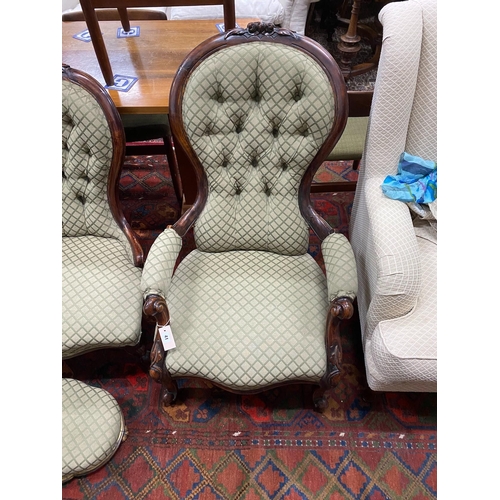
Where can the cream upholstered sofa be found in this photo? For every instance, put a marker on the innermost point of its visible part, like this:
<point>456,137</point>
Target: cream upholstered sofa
<point>290,14</point>
<point>396,253</point>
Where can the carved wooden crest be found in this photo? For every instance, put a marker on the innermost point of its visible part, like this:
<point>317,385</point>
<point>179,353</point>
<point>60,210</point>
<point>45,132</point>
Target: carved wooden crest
<point>260,30</point>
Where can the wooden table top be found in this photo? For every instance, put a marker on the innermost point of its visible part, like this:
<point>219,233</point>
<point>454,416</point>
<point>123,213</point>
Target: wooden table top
<point>153,57</point>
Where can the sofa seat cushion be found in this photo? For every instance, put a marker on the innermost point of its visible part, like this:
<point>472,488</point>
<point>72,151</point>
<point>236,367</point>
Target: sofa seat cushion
<point>402,353</point>
<point>232,312</point>
<point>92,428</point>
<point>102,304</point>
<point>269,11</point>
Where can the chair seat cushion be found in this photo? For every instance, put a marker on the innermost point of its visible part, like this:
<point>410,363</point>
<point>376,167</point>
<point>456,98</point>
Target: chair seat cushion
<point>102,296</point>
<point>92,428</point>
<point>247,319</point>
<point>402,352</point>
<point>352,141</point>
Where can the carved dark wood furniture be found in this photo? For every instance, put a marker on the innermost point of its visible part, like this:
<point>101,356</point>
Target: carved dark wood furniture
<point>101,256</point>
<point>89,12</point>
<point>256,110</point>
<point>101,268</point>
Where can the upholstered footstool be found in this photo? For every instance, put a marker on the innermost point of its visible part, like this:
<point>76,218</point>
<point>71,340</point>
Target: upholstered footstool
<point>92,428</point>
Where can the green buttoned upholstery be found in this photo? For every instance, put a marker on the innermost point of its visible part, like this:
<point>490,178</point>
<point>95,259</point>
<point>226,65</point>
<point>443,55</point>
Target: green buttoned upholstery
<point>248,307</point>
<point>102,296</point>
<point>256,115</point>
<point>93,428</point>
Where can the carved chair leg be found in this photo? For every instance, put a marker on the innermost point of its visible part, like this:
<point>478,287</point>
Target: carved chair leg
<point>168,392</point>
<point>156,306</point>
<point>341,308</point>
<point>319,399</point>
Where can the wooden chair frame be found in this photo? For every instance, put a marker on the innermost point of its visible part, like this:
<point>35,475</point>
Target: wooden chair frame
<point>340,308</point>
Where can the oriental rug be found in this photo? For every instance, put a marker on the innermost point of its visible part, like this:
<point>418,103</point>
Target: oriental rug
<point>216,445</point>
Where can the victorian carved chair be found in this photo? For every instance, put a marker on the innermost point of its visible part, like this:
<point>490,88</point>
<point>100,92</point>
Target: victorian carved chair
<point>101,256</point>
<point>257,110</point>
<point>101,267</point>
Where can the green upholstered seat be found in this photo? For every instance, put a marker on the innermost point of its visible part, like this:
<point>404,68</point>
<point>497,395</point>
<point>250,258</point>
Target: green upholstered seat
<point>92,428</point>
<point>352,142</point>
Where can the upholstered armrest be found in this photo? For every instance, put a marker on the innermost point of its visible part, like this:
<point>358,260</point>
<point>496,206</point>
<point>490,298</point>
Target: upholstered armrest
<point>160,263</point>
<point>396,255</point>
<point>340,265</point>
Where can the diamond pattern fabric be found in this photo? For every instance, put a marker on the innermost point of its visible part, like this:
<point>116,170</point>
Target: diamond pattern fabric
<point>92,428</point>
<point>409,360</point>
<point>396,272</point>
<point>352,141</point>
<point>160,263</point>
<point>340,267</point>
<point>87,150</point>
<point>256,115</point>
<point>102,296</point>
<point>102,293</point>
<point>246,319</point>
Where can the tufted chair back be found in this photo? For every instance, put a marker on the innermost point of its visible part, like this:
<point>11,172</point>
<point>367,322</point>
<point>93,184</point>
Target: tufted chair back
<point>93,149</point>
<point>255,116</point>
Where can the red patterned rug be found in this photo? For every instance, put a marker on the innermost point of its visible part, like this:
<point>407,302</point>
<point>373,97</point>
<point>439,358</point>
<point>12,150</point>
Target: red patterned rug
<point>217,445</point>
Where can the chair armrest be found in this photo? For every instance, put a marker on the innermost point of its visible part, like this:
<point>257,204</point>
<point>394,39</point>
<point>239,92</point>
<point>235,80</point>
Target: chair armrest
<point>160,263</point>
<point>340,266</point>
<point>397,258</point>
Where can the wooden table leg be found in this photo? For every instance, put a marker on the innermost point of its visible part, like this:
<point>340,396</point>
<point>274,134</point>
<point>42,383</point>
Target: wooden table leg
<point>122,12</point>
<point>97,40</point>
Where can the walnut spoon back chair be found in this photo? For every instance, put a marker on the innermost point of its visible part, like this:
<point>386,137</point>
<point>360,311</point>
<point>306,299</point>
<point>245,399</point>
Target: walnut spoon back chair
<point>257,110</point>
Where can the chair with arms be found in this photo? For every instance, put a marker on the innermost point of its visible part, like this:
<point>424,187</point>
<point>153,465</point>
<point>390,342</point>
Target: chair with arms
<point>101,267</point>
<point>396,253</point>
<point>257,110</point>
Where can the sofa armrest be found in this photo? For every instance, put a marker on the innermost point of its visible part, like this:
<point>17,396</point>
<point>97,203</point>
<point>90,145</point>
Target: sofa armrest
<point>397,257</point>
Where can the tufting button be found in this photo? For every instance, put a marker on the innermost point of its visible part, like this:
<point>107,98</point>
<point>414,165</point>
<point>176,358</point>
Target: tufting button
<point>275,131</point>
<point>224,164</point>
<point>254,162</point>
<point>238,128</point>
<point>80,198</point>
<point>297,96</point>
<point>284,166</point>
<point>267,189</point>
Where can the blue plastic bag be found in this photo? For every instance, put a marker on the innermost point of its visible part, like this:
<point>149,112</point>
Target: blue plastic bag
<point>416,180</point>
